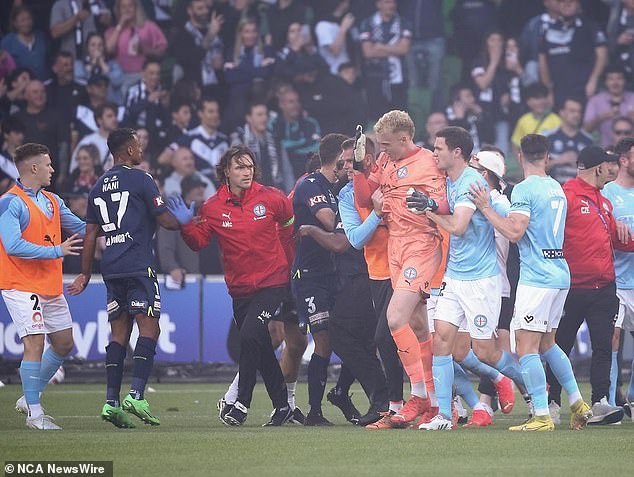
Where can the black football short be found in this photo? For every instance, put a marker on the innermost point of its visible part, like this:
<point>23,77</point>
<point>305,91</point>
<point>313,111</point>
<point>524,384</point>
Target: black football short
<point>314,300</point>
<point>134,296</point>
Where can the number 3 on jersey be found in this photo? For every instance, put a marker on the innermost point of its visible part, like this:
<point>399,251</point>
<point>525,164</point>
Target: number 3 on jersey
<point>122,199</point>
<point>557,204</point>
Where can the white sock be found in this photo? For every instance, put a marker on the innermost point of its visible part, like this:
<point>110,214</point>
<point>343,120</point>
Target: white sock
<point>574,397</point>
<point>396,406</point>
<point>290,389</point>
<point>35,410</point>
<point>482,406</point>
<point>419,389</point>
<point>432,398</point>
<point>232,393</point>
<point>499,378</point>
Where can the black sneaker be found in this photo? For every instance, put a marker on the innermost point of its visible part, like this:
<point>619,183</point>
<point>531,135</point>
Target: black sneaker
<point>297,417</point>
<point>279,416</point>
<point>344,403</point>
<point>236,415</point>
<point>223,408</point>
<point>370,417</point>
<point>317,419</point>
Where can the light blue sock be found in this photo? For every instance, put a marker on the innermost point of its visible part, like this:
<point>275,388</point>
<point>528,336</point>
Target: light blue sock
<point>443,376</point>
<point>463,386</point>
<point>614,376</point>
<point>562,369</point>
<point>509,367</point>
<point>535,381</point>
<point>51,361</point>
<point>30,375</point>
<point>473,364</point>
<point>630,389</point>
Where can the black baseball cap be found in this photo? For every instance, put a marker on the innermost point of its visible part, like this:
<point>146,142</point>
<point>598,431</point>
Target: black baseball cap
<point>593,156</point>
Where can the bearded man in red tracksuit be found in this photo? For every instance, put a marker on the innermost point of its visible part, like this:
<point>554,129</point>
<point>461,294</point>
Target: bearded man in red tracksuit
<point>254,226</point>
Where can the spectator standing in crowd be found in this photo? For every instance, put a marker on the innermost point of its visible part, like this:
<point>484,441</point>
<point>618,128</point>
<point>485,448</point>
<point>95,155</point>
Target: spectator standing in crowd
<point>107,122</point>
<point>298,56</point>
<point>280,17</point>
<point>89,167</point>
<point>258,285</point>
<point>332,34</point>
<point>472,19</point>
<point>530,39</point>
<point>296,136</point>
<point>591,235</point>
<point>621,38</point>
<point>95,63</point>
<point>620,192</point>
<point>621,128</point>
<point>133,40</point>
<point>28,47</point>
<point>261,142</point>
<point>206,142</point>
<point>7,64</point>
<point>495,73</point>
<point>181,113</point>
<point>44,127</point>
<point>175,257</point>
<point>72,21</point>
<point>198,48</point>
<point>247,68</point>
<point>539,119</point>
<point>63,93</point>
<point>145,102</point>
<point>385,42</point>
<point>435,122</point>
<point>184,166</point>
<point>567,141</point>
<point>13,137</point>
<point>465,112</point>
<point>425,57</point>
<point>572,54</point>
<point>604,107</point>
<point>13,100</point>
<point>233,12</point>
<point>84,115</point>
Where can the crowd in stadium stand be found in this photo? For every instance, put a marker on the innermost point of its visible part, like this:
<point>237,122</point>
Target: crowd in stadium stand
<point>196,76</point>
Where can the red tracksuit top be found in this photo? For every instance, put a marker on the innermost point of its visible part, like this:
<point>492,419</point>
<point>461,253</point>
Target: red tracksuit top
<point>254,233</point>
<point>589,238</point>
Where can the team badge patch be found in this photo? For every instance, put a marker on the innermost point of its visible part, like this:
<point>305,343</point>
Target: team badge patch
<point>401,172</point>
<point>410,273</point>
<point>480,321</point>
<point>259,210</point>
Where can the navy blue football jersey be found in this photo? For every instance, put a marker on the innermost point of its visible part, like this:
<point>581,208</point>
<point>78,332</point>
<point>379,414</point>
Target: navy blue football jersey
<point>312,194</point>
<point>124,203</point>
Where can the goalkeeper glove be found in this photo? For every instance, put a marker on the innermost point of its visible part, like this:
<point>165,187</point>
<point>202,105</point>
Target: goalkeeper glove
<point>418,203</point>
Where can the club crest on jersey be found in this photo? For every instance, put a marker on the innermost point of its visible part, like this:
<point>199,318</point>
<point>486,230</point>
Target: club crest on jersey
<point>480,321</point>
<point>410,273</point>
<point>259,210</point>
<point>49,207</point>
<point>401,172</point>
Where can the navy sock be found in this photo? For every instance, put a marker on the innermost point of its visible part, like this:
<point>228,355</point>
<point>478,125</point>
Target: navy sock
<point>143,361</point>
<point>317,375</point>
<point>115,355</point>
<point>345,381</point>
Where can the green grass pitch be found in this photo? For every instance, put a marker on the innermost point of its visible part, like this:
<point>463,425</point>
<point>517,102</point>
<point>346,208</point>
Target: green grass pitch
<point>192,441</point>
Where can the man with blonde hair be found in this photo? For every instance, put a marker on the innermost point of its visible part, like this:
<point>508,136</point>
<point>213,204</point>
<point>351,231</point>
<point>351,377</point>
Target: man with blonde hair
<point>414,250</point>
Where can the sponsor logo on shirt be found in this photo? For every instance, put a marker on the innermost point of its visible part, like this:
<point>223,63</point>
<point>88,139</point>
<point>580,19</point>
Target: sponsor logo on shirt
<point>158,201</point>
<point>317,199</point>
<point>227,224</point>
<point>585,207</point>
<point>119,238</point>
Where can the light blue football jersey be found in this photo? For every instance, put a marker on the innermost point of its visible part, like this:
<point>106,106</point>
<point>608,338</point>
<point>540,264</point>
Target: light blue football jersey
<point>622,199</point>
<point>471,256</point>
<point>542,262</point>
